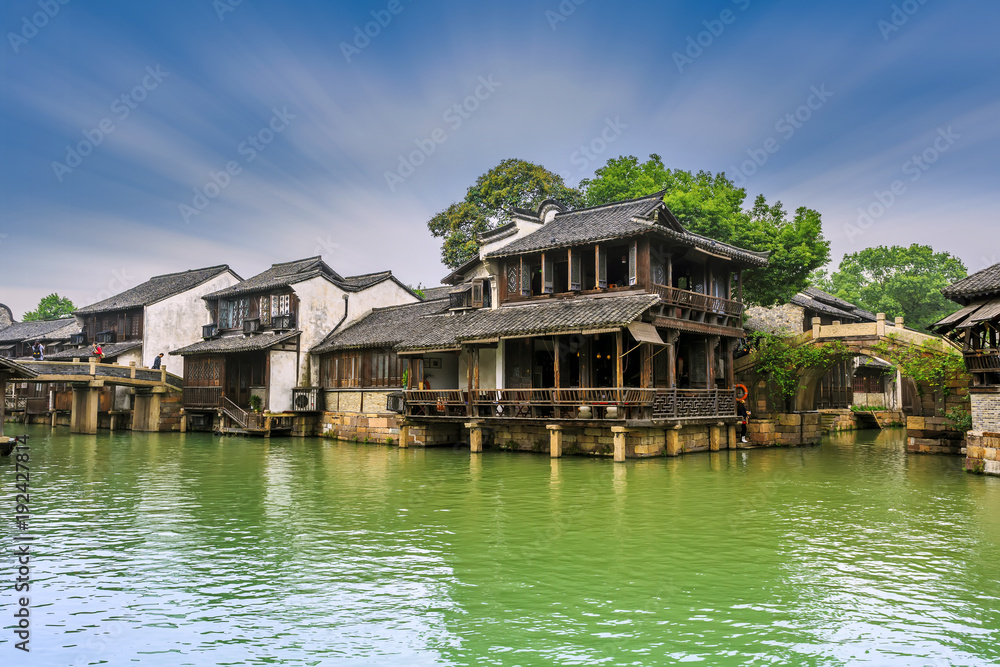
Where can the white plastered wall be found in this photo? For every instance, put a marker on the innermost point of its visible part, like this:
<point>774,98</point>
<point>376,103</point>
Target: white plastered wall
<point>283,379</point>
<point>176,322</point>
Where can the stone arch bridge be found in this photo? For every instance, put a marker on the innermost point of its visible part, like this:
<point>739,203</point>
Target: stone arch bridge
<point>861,339</point>
<point>88,378</point>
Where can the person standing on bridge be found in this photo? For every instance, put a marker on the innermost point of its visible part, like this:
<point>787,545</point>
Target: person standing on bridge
<point>744,415</point>
<point>157,360</point>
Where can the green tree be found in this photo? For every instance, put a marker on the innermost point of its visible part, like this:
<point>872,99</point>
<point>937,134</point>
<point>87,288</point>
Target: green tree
<point>712,205</point>
<point>898,281</point>
<point>487,203</point>
<point>49,308</point>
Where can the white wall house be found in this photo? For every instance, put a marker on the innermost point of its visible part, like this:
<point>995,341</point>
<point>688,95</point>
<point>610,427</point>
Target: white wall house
<point>267,324</point>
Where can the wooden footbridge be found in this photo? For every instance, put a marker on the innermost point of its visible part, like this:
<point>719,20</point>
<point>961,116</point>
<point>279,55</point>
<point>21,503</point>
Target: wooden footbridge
<point>88,378</point>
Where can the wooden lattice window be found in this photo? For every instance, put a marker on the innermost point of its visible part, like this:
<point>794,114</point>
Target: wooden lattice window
<point>525,278</point>
<point>602,269</point>
<point>265,310</point>
<point>633,255</point>
<point>548,275</point>
<point>575,272</point>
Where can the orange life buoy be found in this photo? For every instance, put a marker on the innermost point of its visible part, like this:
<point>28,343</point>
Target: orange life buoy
<point>745,393</point>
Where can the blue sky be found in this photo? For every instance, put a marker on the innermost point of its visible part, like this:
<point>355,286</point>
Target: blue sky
<point>246,133</point>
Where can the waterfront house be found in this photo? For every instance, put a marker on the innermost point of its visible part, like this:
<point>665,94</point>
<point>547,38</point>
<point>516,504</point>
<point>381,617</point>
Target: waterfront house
<point>613,316</point>
<point>162,314</point>
<point>976,328</point>
<point>16,339</point>
<point>260,333</point>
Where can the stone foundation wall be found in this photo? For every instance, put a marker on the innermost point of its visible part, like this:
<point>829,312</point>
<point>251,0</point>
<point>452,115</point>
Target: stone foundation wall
<point>170,412</point>
<point>786,430</point>
<point>985,411</point>
<point>933,435</point>
<point>376,427</point>
<point>983,453</point>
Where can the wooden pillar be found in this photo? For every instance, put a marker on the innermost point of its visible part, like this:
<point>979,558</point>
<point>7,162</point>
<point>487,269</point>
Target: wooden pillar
<point>184,421</point>
<point>468,377</point>
<point>730,377</point>
<point>475,437</point>
<point>3,400</point>
<point>586,362</point>
<point>620,433</point>
<point>555,440</point>
<point>739,285</point>
<point>556,366</point>
<point>670,269</point>
<point>646,353</point>
<point>619,353</point>
<point>597,266</point>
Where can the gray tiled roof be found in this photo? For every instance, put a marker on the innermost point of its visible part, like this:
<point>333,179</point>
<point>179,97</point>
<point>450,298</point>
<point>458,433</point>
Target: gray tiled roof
<point>110,351</point>
<point>281,275</point>
<point>981,283</point>
<point>236,344</point>
<point>12,369</point>
<point>155,289</point>
<point>432,293</point>
<point>415,327</point>
<point>44,330</point>
<point>824,302</point>
<point>366,280</point>
<point>383,327</point>
<point>620,220</point>
<point>587,225</point>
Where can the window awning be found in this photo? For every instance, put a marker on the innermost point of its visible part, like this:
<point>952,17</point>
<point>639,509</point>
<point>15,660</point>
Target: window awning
<point>645,333</point>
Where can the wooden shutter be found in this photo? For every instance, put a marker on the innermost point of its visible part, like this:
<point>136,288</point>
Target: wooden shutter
<point>548,275</point>
<point>477,293</point>
<point>525,278</point>
<point>575,272</point>
<point>602,269</point>
<point>633,255</point>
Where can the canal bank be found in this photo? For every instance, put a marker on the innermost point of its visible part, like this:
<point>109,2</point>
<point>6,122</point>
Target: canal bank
<point>164,548</point>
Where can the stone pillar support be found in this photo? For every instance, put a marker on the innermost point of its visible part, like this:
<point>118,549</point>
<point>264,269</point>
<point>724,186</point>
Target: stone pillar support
<point>715,437</point>
<point>404,435</point>
<point>620,434</point>
<point>732,436</point>
<point>674,440</point>
<point>475,437</point>
<point>86,401</point>
<point>555,440</point>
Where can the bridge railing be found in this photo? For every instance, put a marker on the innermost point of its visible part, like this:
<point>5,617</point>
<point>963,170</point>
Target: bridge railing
<point>98,370</point>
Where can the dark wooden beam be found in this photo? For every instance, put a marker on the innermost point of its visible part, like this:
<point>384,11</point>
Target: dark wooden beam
<point>619,353</point>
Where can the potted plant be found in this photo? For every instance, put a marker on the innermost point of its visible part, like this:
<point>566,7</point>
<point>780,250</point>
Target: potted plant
<point>256,403</point>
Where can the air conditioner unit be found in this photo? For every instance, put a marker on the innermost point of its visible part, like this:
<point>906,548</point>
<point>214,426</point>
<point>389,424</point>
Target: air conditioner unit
<point>306,399</point>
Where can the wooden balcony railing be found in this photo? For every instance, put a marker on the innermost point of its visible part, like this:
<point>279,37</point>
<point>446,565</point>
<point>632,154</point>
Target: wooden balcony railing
<point>202,397</point>
<point>619,403</point>
<point>982,362</point>
<point>705,303</point>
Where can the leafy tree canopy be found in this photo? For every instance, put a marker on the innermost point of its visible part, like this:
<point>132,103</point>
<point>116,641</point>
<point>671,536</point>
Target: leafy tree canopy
<point>50,307</point>
<point>898,281</point>
<point>712,205</point>
<point>487,203</point>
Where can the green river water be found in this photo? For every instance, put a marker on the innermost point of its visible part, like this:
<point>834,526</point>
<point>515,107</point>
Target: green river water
<point>195,549</point>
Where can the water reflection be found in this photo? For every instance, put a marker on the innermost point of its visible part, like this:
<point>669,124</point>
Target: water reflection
<point>202,550</point>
